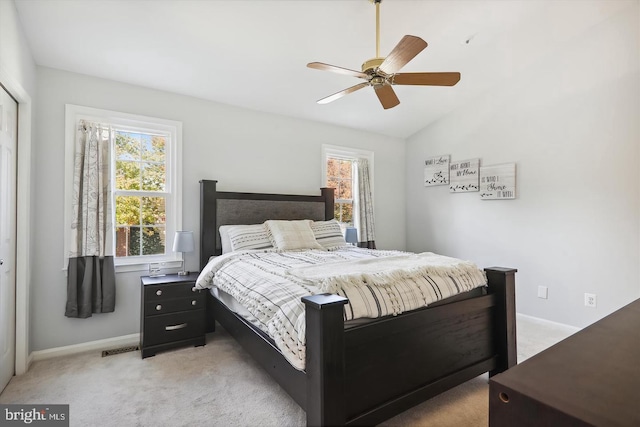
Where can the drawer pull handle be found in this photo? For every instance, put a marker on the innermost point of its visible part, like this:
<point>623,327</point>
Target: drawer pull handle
<point>504,397</point>
<point>159,292</point>
<point>194,289</point>
<point>193,302</point>
<point>158,307</point>
<point>174,327</point>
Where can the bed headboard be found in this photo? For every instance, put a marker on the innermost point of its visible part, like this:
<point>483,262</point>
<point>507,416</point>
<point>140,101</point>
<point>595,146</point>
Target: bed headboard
<point>228,208</point>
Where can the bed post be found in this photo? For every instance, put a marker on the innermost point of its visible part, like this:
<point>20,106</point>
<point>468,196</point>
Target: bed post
<point>325,365</point>
<point>208,232</point>
<point>208,228</point>
<point>329,202</point>
<point>502,285</point>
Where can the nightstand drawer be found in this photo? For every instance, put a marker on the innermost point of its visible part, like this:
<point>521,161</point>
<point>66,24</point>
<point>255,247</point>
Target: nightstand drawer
<point>173,327</point>
<point>194,302</point>
<point>168,291</point>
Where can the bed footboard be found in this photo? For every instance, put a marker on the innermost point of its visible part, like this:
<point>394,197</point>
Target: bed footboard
<point>367,374</point>
<point>324,363</point>
<point>502,284</point>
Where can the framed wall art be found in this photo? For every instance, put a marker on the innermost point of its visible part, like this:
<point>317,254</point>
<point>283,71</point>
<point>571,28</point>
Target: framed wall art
<point>498,182</point>
<point>464,176</point>
<point>436,171</point>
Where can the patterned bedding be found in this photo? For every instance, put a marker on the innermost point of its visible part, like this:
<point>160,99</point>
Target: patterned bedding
<point>377,283</point>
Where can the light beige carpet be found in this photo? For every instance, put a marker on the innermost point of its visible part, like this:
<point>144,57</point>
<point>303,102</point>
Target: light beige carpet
<point>220,385</point>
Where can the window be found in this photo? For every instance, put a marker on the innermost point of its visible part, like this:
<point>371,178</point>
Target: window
<point>145,179</point>
<point>140,193</point>
<point>340,174</point>
<point>340,166</point>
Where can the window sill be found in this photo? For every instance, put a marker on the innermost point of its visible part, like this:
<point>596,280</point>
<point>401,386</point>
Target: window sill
<point>144,266</point>
<point>141,266</point>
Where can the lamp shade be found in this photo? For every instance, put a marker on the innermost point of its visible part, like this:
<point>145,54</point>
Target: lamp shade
<point>351,235</point>
<point>183,241</point>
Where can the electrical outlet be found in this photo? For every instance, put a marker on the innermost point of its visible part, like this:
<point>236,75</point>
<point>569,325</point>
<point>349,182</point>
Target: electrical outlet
<point>543,292</point>
<point>590,300</point>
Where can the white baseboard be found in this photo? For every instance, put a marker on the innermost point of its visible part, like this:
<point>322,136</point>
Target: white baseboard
<point>99,345</point>
<point>134,339</point>
<point>568,328</point>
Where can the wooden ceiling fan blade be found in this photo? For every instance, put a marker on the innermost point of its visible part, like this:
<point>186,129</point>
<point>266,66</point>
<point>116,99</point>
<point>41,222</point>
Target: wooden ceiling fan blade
<point>342,93</point>
<point>387,96</point>
<point>404,52</point>
<point>426,79</point>
<point>334,69</point>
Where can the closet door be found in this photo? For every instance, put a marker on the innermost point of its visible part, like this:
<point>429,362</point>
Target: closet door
<point>8,162</point>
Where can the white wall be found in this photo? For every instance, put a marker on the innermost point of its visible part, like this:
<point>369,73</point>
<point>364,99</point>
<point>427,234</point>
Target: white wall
<point>15,56</point>
<point>571,123</point>
<point>244,150</point>
<point>18,76</point>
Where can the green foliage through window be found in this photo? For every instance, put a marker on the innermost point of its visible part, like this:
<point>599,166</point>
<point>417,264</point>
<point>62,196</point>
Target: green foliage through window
<point>140,185</point>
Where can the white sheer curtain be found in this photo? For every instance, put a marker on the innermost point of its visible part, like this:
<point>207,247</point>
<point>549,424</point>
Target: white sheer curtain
<point>91,273</point>
<point>364,218</point>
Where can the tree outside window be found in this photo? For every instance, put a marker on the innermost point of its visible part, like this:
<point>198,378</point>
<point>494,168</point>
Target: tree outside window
<point>140,193</point>
<point>340,177</point>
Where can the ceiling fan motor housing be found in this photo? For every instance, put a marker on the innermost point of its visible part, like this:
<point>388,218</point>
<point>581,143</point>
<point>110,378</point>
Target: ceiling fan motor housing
<point>371,65</point>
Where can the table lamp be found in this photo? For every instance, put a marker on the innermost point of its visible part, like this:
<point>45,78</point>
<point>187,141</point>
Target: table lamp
<point>351,235</point>
<point>183,242</point>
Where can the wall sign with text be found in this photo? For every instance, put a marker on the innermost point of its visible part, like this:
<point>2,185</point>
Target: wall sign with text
<point>498,182</point>
<point>464,176</point>
<point>436,171</point>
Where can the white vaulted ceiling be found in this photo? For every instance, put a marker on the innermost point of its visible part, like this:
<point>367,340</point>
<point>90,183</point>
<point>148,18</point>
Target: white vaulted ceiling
<point>253,54</point>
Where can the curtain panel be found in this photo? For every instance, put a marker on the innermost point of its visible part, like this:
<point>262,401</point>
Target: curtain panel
<point>91,271</point>
<point>366,226</point>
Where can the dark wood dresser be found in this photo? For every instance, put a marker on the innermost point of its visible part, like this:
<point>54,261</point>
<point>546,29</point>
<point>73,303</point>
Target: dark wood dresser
<point>591,378</point>
<point>172,313</point>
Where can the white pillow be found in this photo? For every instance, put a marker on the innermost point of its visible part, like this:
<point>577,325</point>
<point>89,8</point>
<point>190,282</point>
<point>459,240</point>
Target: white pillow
<point>245,237</point>
<point>224,238</point>
<point>328,234</point>
<point>292,235</point>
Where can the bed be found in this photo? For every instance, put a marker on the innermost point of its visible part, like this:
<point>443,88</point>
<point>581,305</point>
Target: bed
<point>363,373</point>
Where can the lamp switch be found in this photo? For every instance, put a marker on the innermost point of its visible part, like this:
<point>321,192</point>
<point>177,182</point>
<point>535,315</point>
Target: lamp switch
<point>543,292</point>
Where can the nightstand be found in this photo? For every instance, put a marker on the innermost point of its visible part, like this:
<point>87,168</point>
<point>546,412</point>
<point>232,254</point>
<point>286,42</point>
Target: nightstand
<point>172,313</point>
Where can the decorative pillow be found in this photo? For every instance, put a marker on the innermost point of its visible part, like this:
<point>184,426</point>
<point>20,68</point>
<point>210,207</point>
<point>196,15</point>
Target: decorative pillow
<point>244,237</point>
<point>292,235</point>
<point>328,234</point>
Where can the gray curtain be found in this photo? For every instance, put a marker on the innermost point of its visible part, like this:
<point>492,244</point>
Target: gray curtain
<point>91,284</point>
<point>365,222</point>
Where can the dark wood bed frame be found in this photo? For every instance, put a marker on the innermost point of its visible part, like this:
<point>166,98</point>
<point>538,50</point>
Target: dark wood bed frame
<point>365,374</point>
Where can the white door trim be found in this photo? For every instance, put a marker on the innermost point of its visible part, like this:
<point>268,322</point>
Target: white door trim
<point>23,219</point>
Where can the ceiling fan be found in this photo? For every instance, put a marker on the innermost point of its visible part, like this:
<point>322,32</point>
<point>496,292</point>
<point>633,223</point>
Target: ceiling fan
<point>382,73</point>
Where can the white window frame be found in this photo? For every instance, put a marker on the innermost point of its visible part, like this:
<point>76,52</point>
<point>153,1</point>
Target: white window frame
<point>125,121</point>
<point>347,153</point>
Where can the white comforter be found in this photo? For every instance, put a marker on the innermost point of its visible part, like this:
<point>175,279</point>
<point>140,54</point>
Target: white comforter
<point>377,283</point>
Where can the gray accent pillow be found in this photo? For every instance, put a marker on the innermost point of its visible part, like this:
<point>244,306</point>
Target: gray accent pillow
<point>245,237</point>
<point>328,234</point>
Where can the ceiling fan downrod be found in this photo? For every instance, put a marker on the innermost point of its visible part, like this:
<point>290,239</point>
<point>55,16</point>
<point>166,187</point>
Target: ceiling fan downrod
<point>373,63</point>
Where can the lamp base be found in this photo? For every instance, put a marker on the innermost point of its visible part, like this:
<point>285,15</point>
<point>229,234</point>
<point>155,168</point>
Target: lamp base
<point>183,273</point>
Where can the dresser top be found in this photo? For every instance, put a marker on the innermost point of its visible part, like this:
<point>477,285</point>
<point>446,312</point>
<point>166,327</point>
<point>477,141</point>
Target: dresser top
<point>593,375</point>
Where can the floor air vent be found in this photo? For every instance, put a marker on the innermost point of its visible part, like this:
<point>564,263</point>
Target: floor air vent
<point>120,350</point>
